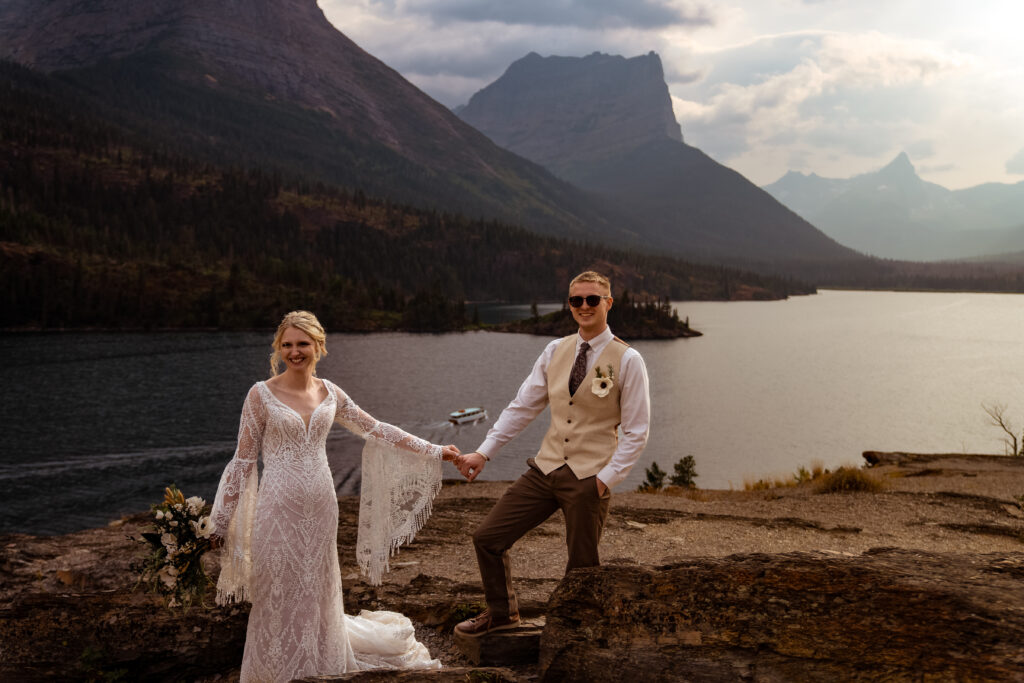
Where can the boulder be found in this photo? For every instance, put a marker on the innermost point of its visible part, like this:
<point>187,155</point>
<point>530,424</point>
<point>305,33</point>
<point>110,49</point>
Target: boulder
<point>885,615</point>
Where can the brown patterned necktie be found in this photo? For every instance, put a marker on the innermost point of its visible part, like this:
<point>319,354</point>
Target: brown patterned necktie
<point>579,369</point>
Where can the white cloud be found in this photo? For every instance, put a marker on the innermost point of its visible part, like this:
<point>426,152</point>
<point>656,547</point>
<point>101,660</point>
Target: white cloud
<point>646,14</point>
<point>836,102</point>
<point>835,87</point>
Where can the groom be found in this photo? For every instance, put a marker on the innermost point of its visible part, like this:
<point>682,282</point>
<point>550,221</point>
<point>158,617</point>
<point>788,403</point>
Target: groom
<point>595,383</point>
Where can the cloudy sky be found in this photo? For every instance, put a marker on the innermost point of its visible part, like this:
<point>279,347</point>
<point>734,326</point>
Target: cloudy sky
<point>835,87</point>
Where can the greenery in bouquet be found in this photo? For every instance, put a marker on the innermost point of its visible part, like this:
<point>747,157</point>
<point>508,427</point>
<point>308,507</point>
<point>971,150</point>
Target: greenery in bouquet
<point>179,537</point>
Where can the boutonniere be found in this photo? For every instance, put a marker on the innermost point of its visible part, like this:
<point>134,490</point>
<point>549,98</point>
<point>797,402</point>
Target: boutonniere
<point>602,384</point>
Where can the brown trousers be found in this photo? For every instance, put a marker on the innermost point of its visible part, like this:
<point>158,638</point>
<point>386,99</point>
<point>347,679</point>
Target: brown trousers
<point>526,504</point>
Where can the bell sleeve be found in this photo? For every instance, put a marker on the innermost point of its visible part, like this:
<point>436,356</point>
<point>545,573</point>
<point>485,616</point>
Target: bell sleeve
<point>234,506</point>
<point>401,475</point>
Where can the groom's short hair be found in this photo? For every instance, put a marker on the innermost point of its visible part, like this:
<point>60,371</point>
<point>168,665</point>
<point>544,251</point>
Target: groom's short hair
<point>592,276</point>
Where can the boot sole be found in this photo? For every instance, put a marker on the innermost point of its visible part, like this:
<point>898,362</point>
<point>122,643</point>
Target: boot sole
<point>503,627</point>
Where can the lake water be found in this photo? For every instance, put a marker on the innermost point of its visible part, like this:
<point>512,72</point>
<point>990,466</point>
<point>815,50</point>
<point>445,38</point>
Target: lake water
<point>94,425</point>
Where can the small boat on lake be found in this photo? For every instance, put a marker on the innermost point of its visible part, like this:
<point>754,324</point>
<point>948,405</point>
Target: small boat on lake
<point>466,415</point>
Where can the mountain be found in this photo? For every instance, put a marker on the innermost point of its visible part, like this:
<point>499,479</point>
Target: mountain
<point>567,113</point>
<point>272,82</point>
<point>605,123</point>
<point>893,213</point>
<point>100,227</point>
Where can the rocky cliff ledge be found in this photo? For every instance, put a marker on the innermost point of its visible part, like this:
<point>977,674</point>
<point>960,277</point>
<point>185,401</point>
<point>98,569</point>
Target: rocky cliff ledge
<point>889,614</point>
<point>919,582</point>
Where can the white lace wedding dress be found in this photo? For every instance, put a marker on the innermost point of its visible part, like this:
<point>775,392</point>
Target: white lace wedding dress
<point>280,538</point>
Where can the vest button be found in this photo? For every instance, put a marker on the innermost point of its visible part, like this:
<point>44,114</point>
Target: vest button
<point>567,440</point>
<point>569,421</point>
<point>565,458</point>
<point>570,402</point>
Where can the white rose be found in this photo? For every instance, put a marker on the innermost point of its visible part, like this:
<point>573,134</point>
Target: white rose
<point>195,504</point>
<point>167,540</point>
<point>168,515</point>
<point>159,514</point>
<point>174,524</point>
<point>202,527</point>
<point>601,386</point>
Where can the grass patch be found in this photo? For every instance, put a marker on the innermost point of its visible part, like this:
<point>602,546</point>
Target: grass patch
<point>803,475</point>
<point>848,480</point>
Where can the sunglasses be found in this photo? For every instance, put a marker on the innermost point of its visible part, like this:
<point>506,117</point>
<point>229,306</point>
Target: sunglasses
<point>592,300</point>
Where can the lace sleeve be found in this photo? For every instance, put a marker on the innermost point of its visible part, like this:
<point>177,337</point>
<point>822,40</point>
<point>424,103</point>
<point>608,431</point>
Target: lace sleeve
<point>401,474</point>
<point>235,503</point>
<point>360,422</point>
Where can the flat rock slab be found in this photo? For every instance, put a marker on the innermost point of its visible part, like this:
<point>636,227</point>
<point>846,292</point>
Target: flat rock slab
<point>96,636</point>
<point>504,648</point>
<point>452,675</point>
<point>893,615</point>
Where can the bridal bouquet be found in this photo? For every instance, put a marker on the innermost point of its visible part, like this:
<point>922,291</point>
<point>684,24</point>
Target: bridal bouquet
<point>180,536</point>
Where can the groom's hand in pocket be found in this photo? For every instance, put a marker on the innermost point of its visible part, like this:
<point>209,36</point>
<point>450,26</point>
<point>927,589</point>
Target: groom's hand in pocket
<point>471,464</point>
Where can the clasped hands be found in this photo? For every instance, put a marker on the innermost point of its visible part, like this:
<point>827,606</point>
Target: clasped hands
<point>469,465</point>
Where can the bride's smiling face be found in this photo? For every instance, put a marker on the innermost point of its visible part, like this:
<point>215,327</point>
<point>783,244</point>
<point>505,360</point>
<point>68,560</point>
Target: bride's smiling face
<point>298,350</point>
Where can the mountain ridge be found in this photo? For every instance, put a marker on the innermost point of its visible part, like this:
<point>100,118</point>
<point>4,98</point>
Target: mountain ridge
<point>575,116</point>
<point>893,213</point>
<point>268,82</point>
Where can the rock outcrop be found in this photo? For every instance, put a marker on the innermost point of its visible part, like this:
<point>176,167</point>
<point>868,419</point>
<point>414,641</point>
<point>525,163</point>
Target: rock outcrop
<point>886,615</point>
<point>954,611</point>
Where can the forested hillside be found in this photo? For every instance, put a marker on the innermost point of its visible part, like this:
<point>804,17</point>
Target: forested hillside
<point>100,226</point>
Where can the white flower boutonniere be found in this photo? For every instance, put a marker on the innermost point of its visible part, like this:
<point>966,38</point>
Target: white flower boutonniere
<point>602,384</point>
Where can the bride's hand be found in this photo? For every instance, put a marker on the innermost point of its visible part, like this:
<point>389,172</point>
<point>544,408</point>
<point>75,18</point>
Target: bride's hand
<point>450,452</point>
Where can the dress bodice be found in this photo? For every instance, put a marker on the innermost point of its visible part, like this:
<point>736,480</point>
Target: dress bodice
<point>287,440</point>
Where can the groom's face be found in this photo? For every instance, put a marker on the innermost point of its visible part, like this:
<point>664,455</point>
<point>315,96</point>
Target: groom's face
<point>591,319</point>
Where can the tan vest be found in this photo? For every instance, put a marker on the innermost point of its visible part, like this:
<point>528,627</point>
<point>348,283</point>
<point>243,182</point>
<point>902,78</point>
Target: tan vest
<point>584,429</point>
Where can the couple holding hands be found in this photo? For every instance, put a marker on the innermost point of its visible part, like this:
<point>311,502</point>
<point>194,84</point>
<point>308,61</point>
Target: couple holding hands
<point>278,530</point>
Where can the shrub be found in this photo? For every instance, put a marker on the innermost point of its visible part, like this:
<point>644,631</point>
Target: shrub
<point>655,479</point>
<point>686,472</point>
<point>848,480</point>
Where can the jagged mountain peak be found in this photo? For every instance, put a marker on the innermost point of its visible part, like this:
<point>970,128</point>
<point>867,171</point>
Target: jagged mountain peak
<point>899,168</point>
<point>601,103</point>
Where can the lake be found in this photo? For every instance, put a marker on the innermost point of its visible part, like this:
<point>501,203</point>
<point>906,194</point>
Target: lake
<point>96,424</point>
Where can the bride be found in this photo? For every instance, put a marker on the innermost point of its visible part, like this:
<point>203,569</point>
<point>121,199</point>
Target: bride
<point>279,533</point>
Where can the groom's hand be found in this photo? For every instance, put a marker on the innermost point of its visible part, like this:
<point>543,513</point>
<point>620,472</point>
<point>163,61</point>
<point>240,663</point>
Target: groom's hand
<point>471,464</point>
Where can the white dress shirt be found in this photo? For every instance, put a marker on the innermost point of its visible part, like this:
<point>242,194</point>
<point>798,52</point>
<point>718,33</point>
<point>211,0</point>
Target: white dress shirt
<point>634,402</point>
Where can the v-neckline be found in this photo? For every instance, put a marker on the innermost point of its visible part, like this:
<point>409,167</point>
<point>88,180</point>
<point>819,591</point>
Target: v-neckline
<point>297,413</point>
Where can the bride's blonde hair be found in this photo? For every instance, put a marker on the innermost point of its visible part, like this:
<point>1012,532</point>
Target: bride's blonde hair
<point>307,322</point>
